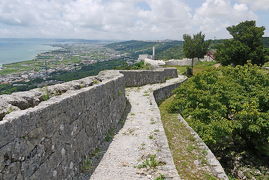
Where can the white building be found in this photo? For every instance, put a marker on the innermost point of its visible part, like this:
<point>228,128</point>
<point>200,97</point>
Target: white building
<point>142,57</point>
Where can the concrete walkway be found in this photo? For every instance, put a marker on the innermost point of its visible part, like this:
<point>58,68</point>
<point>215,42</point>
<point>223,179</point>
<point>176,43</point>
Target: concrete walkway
<point>141,136</point>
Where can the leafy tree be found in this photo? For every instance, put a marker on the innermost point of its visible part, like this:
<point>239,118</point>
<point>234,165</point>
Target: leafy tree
<point>227,107</point>
<point>196,46</point>
<point>246,44</point>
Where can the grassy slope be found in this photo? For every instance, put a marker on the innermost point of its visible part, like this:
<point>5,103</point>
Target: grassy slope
<point>201,66</point>
<point>184,147</point>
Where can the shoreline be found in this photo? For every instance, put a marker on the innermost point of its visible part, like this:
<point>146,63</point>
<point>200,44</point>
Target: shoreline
<point>56,46</point>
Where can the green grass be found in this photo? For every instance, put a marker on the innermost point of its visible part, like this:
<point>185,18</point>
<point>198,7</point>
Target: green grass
<point>199,67</point>
<point>202,66</point>
<point>87,165</point>
<point>110,134</point>
<point>151,162</point>
<point>21,67</point>
<point>183,146</point>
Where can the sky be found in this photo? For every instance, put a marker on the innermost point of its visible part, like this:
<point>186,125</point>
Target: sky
<point>127,19</point>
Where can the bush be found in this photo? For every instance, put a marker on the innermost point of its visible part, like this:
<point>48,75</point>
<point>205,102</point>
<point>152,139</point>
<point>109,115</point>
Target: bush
<point>227,107</point>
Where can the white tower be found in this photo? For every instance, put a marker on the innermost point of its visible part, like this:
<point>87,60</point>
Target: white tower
<point>153,53</point>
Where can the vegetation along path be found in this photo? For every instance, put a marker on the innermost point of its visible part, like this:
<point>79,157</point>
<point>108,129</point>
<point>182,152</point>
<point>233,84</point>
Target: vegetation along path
<point>140,149</point>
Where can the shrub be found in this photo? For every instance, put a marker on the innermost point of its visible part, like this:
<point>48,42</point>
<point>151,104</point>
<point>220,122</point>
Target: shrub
<point>227,106</point>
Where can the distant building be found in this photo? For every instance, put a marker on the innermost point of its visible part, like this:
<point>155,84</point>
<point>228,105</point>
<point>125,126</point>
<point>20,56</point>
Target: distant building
<point>142,57</point>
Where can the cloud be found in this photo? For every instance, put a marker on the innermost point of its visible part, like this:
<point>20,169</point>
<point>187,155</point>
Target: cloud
<point>117,19</point>
<point>94,19</point>
<point>256,4</point>
<point>215,15</point>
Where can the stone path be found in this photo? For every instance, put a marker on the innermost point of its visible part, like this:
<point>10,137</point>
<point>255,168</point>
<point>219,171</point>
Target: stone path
<point>141,136</point>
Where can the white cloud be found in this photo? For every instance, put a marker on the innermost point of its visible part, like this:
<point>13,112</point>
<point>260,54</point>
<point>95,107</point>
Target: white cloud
<point>257,4</point>
<point>94,19</point>
<point>215,15</point>
<point>117,19</point>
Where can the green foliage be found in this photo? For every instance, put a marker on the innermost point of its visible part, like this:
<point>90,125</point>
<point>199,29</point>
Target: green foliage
<point>24,86</point>
<point>135,66</point>
<point>110,134</point>
<point>247,44</point>
<point>46,94</point>
<point>175,52</point>
<point>227,106</point>
<point>150,162</point>
<point>95,81</point>
<point>266,58</point>
<point>84,71</point>
<point>87,165</point>
<point>189,72</point>
<point>265,41</point>
<point>195,46</point>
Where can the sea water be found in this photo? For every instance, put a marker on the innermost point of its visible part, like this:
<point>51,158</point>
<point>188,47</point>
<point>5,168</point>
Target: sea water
<point>16,50</point>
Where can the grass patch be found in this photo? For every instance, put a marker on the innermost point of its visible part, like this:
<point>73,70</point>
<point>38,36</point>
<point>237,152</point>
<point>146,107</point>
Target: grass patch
<point>183,146</point>
<point>46,94</point>
<point>95,81</point>
<point>151,162</point>
<point>110,134</point>
<point>87,165</point>
<point>199,67</point>
<point>203,66</point>
<point>151,137</point>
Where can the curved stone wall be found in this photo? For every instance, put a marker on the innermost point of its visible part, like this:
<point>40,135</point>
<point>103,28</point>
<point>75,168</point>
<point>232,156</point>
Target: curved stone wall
<point>142,77</point>
<point>49,138</point>
<point>182,62</point>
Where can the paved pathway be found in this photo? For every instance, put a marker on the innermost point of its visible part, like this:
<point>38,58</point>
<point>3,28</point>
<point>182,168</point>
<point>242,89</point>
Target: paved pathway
<point>142,135</point>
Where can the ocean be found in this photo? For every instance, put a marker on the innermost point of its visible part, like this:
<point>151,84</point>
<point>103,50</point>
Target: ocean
<point>16,50</point>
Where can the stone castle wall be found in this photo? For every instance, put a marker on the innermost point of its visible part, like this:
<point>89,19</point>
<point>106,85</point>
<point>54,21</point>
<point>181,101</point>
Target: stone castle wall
<point>143,77</point>
<point>163,93</point>
<point>182,62</point>
<point>48,139</point>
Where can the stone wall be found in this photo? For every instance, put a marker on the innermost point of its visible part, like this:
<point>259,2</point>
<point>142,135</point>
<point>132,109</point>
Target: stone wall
<point>49,139</point>
<point>213,162</point>
<point>182,62</point>
<point>143,77</point>
<point>163,93</point>
<point>154,63</point>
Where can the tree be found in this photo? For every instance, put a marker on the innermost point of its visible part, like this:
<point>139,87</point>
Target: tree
<point>246,44</point>
<point>196,46</point>
<point>227,111</point>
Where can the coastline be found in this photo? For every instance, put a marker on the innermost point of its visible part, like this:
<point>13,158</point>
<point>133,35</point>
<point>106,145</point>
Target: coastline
<point>38,54</point>
<point>19,51</point>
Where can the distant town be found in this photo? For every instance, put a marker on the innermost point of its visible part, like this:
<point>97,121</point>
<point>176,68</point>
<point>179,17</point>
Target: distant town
<point>69,57</point>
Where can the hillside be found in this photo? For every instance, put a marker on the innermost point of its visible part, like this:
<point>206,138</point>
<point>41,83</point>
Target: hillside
<point>164,49</point>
